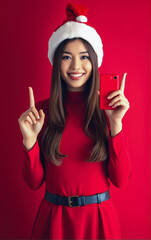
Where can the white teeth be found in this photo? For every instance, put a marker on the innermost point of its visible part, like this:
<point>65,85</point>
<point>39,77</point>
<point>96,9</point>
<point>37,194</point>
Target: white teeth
<point>75,75</point>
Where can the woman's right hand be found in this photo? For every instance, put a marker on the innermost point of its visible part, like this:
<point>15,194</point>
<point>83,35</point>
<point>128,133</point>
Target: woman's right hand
<point>31,123</point>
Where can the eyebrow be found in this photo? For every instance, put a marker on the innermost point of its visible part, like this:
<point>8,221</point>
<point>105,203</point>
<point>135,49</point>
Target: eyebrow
<point>71,53</point>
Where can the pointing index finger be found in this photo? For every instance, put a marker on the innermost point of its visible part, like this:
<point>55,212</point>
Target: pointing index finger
<point>31,97</point>
<point>122,86</point>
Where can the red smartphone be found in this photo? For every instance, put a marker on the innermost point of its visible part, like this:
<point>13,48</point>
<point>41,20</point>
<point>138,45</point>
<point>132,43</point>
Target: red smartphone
<point>108,84</point>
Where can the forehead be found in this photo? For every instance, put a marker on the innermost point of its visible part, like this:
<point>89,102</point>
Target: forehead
<point>75,46</point>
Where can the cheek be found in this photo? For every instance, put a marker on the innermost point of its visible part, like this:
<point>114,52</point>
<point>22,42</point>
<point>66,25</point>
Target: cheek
<point>64,64</point>
<point>63,70</point>
<point>88,67</point>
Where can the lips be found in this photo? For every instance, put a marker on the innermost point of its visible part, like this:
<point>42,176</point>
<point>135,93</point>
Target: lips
<point>75,76</point>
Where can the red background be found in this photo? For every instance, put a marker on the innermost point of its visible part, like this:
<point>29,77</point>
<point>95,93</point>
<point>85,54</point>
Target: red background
<point>25,29</point>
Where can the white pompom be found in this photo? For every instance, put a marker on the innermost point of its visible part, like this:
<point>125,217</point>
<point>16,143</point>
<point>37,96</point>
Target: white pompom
<point>81,18</point>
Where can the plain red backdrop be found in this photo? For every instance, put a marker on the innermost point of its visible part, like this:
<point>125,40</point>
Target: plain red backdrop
<point>26,26</point>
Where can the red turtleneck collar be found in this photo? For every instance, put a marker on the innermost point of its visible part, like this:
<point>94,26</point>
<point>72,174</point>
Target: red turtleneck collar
<point>74,97</point>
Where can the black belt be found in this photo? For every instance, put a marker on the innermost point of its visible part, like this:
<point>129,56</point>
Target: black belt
<point>77,201</point>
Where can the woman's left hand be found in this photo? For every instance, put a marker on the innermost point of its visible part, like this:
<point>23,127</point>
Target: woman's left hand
<point>118,100</point>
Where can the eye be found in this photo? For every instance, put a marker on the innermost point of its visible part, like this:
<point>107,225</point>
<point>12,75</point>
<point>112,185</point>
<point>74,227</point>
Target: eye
<point>85,57</point>
<point>65,57</point>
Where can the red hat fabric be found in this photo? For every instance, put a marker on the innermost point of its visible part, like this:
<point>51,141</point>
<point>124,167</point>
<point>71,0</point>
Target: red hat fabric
<point>76,26</point>
<point>75,10</point>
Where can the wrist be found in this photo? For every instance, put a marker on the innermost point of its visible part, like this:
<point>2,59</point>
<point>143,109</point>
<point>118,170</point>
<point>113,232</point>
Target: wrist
<point>29,143</point>
<point>116,127</point>
<point>115,122</point>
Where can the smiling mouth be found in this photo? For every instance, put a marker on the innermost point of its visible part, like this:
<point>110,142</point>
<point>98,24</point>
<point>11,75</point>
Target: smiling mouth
<point>75,76</point>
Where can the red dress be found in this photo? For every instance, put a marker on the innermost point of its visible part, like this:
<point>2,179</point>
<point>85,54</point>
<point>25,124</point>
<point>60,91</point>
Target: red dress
<point>76,176</point>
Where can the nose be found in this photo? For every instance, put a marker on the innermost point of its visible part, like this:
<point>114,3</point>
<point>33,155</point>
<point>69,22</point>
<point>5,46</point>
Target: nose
<point>75,64</point>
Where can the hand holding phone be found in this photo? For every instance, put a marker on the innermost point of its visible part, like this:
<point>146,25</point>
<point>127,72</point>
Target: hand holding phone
<point>108,84</point>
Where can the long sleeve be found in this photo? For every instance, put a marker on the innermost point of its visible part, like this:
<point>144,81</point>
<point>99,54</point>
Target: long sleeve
<point>33,167</point>
<point>33,171</point>
<point>119,166</point>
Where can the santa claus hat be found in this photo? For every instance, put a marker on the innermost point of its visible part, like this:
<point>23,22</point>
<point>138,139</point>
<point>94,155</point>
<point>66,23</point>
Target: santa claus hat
<point>76,26</point>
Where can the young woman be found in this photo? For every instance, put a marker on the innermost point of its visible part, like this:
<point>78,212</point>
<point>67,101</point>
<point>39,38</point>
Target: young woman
<point>73,145</point>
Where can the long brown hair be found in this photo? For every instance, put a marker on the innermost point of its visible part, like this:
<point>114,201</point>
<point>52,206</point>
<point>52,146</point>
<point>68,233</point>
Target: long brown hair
<point>95,119</point>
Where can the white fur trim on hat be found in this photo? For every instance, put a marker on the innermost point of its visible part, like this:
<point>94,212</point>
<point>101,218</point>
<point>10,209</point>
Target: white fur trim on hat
<point>75,30</point>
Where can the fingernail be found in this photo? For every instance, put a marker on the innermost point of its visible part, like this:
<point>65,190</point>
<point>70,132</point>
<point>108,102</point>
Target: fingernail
<point>108,97</point>
<point>35,122</point>
<point>38,117</point>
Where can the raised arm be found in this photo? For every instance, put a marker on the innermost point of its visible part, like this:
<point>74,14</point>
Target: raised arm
<point>119,166</point>
<point>31,123</point>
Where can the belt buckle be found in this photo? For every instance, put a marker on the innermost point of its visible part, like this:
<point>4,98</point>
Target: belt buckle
<point>70,201</point>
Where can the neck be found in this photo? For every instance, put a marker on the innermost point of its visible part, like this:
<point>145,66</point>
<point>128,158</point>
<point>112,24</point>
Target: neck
<point>75,97</point>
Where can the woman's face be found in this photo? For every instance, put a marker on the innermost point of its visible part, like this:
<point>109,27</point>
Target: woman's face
<point>76,67</point>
